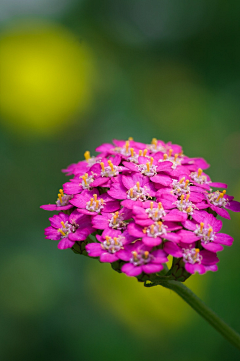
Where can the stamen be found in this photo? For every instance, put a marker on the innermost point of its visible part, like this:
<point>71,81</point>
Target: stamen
<point>114,219</point>
<point>102,201</point>
<point>156,214</point>
<point>159,205</point>
<point>132,152</point>
<point>145,230</point>
<point>146,254</point>
<point>111,165</point>
<point>170,152</point>
<point>134,253</point>
<point>102,166</point>
<point>181,180</point>
<point>182,198</point>
<point>152,229</point>
<point>224,191</point>
<point>108,240</point>
<point>62,194</point>
<point>151,205</point>
<point>97,203</point>
<point>115,240</point>
<point>131,192</point>
<point>144,152</point>
<point>220,196</point>
<point>63,224</point>
<point>165,156</point>
<point>199,172</point>
<point>151,161</point>
<point>201,226</point>
<point>95,197</point>
<point>159,226</point>
<point>186,183</point>
<point>60,197</point>
<point>197,250</point>
<point>138,186</point>
<point>130,138</point>
<point>87,155</point>
<point>91,202</point>
<point>154,141</point>
<point>140,153</point>
<point>84,179</point>
<point>175,156</point>
<point>61,231</point>
<point>188,209</point>
<point>209,231</point>
<point>127,145</point>
<point>148,166</point>
<point>187,197</point>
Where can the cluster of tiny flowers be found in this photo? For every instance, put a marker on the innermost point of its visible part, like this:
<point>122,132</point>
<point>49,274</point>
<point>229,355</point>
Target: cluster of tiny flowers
<point>142,203</point>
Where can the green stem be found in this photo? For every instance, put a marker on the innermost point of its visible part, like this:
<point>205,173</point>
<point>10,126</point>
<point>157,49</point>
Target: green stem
<point>203,310</point>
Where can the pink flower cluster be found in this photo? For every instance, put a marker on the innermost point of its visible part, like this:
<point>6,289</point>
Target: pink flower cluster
<point>143,202</point>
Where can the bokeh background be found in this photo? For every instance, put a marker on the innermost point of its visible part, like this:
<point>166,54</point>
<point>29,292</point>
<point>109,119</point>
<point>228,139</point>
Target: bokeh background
<point>75,74</point>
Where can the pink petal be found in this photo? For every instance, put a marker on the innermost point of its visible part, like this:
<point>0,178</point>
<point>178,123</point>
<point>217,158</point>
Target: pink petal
<point>234,206</point>
<point>173,237</point>
<point>135,230</point>
<point>111,207</point>
<point>188,236</point>
<point>99,182</point>
<point>152,268</point>
<point>172,249</point>
<point>162,179</point>
<point>101,222</point>
<point>72,188</point>
<point>221,211</point>
<point>65,243</point>
<point>130,270</point>
<point>152,242</point>
<point>108,257</point>
<point>94,249</point>
<point>218,185</point>
<point>192,268</point>
<point>224,239</point>
<point>212,247</point>
<point>118,191</point>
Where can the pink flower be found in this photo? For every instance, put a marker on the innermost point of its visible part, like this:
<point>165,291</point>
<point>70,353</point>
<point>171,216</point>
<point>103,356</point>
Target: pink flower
<point>89,202</point>
<point>116,220</point>
<point>142,259</point>
<point>111,246</point>
<point>62,203</point>
<point>69,229</point>
<point>198,261</point>
<point>132,189</point>
<point>141,203</point>
<point>155,233</point>
<point>77,185</point>
<point>217,201</point>
<point>82,167</point>
<point>207,233</point>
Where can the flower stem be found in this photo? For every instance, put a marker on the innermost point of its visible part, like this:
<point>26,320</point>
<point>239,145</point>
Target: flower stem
<point>203,310</point>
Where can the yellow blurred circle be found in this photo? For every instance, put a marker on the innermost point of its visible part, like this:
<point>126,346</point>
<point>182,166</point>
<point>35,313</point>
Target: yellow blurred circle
<point>46,78</point>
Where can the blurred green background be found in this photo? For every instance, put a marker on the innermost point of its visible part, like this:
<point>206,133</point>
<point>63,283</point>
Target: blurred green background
<point>75,74</point>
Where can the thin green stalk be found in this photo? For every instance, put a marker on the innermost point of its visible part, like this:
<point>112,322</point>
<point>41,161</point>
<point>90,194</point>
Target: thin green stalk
<point>203,310</point>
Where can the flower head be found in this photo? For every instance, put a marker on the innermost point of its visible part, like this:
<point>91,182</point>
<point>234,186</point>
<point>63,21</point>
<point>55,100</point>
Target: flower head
<point>135,204</point>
